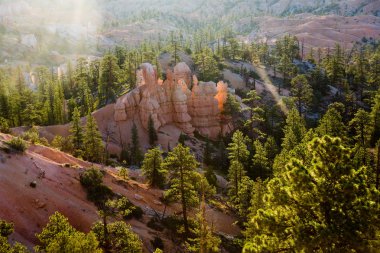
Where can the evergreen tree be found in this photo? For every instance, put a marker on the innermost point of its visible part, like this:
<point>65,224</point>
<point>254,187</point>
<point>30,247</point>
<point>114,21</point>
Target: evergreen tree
<point>207,65</point>
<point>109,86</point>
<point>231,108</point>
<point>256,114</point>
<point>294,130</point>
<point>205,241</point>
<point>363,127</point>
<point>121,237</point>
<point>375,116</point>
<point>374,69</point>
<point>335,66</point>
<point>332,122</point>
<point>260,163</point>
<point>77,133</point>
<point>317,206</point>
<point>136,154</point>
<point>152,167</point>
<point>302,92</point>
<point>257,198</point>
<point>152,131</point>
<point>236,173</point>
<point>271,149</point>
<point>60,236</point>
<point>93,141</point>
<point>6,229</point>
<point>182,166</point>
<point>244,197</point>
<point>237,149</point>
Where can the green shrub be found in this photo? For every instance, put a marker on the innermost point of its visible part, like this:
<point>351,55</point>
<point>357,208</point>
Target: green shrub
<point>63,144</point>
<point>123,173</point>
<point>18,144</point>
<point>99,194</point>
<point>136,211</point>
<point>4,126</point>
<point>175,225</point>
<point>91,178</point>
<point>31,135</point>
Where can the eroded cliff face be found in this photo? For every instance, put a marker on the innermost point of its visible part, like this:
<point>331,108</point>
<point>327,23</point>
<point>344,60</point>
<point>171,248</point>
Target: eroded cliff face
<point>180,100</point>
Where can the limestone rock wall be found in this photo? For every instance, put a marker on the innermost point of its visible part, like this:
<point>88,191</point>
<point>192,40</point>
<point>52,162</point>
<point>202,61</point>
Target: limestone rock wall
<point>172,102</point>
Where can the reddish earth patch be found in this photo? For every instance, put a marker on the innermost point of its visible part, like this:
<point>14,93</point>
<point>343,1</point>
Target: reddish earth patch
<point>60,190</point>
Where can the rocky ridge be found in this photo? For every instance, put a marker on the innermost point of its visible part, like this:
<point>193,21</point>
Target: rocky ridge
<point>180,100</point>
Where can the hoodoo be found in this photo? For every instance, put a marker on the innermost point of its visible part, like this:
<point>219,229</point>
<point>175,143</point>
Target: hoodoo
<point>180,100</point>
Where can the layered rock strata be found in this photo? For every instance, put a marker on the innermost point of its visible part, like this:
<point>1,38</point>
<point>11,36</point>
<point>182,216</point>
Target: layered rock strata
<point>173,102</point>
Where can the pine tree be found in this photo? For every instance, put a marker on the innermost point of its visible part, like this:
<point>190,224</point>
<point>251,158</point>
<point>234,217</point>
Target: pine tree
<point>237,149</point>
<point>109,86</point>
<point>152,132</point>
<point>207,65</point>
<point>60,236</point>
<point>244,197</point>
<point>317,206</point>
<point>152,167</point>
<point>375,116</point>
<point>332,122</point>
<point>121,237</point>
<point>205,241</point>
<point>93,141</point>
<point>6,229</point>
<point>59,104</point>
<point>257,198</point>
<point>294,130</point>
<point>5,106</point>
<point>77,133</point>
<point>260,163</point>
<point>231,108</point>
<point>271,149</point>
<point>374,69</point>
<point>302,92</point>
<point>182,166</point>
<point>363,127</point>
<point>256,114</point>
<point>335,66</point>
<point>236,173</point>
<point>135,151</point>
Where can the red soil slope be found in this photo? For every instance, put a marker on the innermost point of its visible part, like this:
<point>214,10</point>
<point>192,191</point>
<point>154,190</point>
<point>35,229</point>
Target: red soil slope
<point>29,208</point>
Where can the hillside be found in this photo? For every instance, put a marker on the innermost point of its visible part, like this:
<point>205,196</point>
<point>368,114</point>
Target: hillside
<point>60,190</point>
<point>29,33</point>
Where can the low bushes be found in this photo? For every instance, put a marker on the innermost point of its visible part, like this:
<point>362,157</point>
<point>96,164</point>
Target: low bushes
<point>18,144</point>
<point>99,194</point>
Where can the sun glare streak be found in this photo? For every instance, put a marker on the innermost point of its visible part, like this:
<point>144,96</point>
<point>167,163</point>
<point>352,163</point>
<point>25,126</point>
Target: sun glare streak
<point>267,83</point>
<point>78,11</point>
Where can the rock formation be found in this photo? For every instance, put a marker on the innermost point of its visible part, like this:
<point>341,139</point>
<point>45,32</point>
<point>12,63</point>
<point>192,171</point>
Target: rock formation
<point>173,102</point>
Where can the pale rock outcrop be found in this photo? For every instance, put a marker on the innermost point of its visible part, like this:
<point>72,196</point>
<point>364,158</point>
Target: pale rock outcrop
<point>182,72</point>
<point>172,102</point>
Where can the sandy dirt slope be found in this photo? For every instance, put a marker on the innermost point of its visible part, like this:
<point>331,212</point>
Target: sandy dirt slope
<point>29,208</point>
<point>319,31</point>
